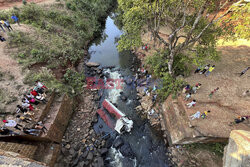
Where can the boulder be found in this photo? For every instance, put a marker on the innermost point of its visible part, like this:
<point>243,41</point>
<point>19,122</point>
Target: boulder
<point>90,156</point>
<point>103,151</point>
<point>92,64</point>
<point>237,152</point>
<point>123,98</point>
<point>118,142</point>
<point>127,151</point>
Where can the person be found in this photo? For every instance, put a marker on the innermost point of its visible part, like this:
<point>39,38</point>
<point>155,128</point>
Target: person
<point>7,25</point>
<point>33,92</point>
<point>41,98</point>
<point>198,69</point>
<point>31,131</point>
<point>196,115</point>
<point>186,88</point>
<point>12,123</point>
<point>212,92</point>
<point>154,88</point>
<point>192,103</point>
<point>40,87</point>
<point>239,120</point>
<point>27,105</point>
<point>154,98</point>
<point>41,126</point>
<point>246,93</point>
<point>244,71</point>
<point>15,18</point>
<point>5,131</point>
<point>205,69</point>
<point>29,96</point>
<point>1,25</point>
<point>31,115</point>
<point>196,87</point>
<point>20,109</point>
<point>30,100</point>
<point>21,118</point>
<point>210,70</point>
<point>2,39</point>
<point>204,115</point>
<point>187,97</point>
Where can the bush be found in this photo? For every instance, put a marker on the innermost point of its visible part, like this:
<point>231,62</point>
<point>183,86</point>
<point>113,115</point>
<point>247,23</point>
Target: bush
<point>75,80</point>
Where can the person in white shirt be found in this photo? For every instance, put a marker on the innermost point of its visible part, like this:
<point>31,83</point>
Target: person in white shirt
<point>191,104</point>
<point>12,123</point>
<point>196,115</point>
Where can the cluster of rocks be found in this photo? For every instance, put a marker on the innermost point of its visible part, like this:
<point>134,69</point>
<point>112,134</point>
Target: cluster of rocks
<point>81,146</point>
<point>148,109</point>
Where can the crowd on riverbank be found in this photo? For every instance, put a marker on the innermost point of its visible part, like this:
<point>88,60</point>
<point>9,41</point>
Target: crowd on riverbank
<point>24,120</point>
<point>189,90</point>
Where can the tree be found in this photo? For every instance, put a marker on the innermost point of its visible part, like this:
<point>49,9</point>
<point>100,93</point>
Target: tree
<point>192,25</point>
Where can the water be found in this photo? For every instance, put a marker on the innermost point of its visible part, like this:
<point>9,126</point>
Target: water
<point>147,145</point>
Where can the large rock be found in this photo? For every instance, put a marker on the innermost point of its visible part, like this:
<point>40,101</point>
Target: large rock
<point>92,64</point>
<point>118,142</point>
<point>237,152</point>
<point>127,151</point>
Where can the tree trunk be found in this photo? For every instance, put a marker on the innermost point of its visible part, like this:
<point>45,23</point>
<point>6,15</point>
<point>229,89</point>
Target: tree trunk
<point>170,63</point>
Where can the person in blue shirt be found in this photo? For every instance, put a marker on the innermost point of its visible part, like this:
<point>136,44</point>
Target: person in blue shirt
<point>15,18</point>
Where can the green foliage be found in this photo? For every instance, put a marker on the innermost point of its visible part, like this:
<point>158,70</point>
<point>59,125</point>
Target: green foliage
<point>45,75</point>
<point>75,80</point>
<point>237,22</point>
<point>217,148</point>
<point>24,2</point>
<point>170,85</point>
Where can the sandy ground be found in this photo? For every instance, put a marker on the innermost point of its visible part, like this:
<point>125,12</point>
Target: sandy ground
<point>11,83</point>
<point>7,5</point>
<point>228,102</point>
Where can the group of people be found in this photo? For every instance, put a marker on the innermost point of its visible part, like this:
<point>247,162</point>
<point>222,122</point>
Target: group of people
<point>207,69</point>
<point>4,24</point>
<point>25,113</point>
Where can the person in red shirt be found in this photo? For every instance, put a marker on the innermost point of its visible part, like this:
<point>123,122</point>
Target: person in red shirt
<point>34,93</point>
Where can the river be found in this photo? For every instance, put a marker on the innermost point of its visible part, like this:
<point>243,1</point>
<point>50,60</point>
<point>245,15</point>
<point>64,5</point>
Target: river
<point>147,145</point>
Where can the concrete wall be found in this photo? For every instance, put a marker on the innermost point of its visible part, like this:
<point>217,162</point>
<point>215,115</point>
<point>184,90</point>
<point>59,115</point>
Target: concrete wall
<point>59,125</point>
<point>26,150</point>
<point>237,152</point>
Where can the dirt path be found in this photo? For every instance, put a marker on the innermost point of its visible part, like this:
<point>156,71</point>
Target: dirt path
<point>7,4</point>
<point>11,81</point>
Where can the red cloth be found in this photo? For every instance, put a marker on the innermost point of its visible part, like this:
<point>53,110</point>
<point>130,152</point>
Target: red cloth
<point>34,93</point>
<point>32,100</point>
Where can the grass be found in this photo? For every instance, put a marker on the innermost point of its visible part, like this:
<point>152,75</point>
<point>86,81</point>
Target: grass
<point>217,148</point>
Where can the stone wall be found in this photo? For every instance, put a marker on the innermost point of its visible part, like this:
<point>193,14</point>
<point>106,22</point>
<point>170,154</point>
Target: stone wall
<point>237,152</point>
<point>179,129</point>
<point>60,121</point>
<point>26,150</point>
